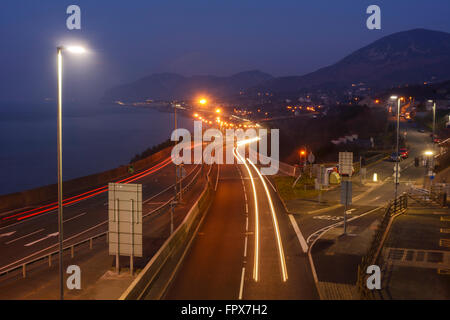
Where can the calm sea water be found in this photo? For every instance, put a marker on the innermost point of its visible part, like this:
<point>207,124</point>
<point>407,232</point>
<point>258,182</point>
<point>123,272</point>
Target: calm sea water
<point>95,138</point>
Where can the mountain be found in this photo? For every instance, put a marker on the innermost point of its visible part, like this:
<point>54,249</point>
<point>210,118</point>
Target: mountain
<point>405,57</point>
<point>168,86</point>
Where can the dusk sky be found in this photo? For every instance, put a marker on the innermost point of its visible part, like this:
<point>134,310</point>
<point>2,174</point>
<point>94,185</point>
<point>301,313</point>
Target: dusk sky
<point>131,39</point>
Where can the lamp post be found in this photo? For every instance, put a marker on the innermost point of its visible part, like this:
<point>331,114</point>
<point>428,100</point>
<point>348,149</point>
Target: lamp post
<point>397,144</point>
<point>59,51</point>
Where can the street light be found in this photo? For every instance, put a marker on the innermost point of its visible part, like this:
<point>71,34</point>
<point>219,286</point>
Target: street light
<point>59,51</point>
<point>202,101</point>
<point>397,151</point>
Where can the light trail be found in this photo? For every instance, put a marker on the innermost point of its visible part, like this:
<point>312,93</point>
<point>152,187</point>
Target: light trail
<point>256,258</point>
<point>88,194</point>
<point>275,224</point>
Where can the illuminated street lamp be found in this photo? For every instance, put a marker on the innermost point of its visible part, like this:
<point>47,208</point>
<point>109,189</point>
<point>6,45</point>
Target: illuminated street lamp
<point>59,51</point>
<point>202,101</point>
<point>397,151</point>
<point>218,110</point>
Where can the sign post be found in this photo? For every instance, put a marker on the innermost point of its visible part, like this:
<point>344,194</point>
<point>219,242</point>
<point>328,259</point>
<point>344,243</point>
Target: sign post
<point>346,171</point>
<point>125,221</point>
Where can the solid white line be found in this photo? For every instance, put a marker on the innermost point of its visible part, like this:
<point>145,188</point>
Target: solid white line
<point>246,207</point>
<point>270,183</point>
<point>81,214</point>
<point>246,223</point>
<point>299,234</point>
<point>27,235</point>
<point>241,288</point>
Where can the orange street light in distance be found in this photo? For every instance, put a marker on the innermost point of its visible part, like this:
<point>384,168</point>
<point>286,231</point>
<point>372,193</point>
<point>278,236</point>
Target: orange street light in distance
<point>195,115</point>
<point>218,110</point>
<point>202,101</point>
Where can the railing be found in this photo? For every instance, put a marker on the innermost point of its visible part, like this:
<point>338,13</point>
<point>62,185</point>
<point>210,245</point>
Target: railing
<point>396,207</point>
<point>24,263</point>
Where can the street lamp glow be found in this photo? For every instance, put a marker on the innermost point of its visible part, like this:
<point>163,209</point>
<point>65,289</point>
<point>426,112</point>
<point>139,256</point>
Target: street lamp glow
<point>76,49</point>
<point>218,110</point>
<point>202,101</point>
<point>394,97</point>
<point>428,153</point>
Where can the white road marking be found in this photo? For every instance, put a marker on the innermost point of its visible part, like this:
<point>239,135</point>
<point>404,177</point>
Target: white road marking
<point>217,180</point>
<point>246,207</point>
<point>42,239</point>
<point>299,234</point>
<point>27,235</point>
<point>241,288</point>
<point>81,214</point>
<point>245,247</point>
<point>7,234</point>
<point>270,183</point>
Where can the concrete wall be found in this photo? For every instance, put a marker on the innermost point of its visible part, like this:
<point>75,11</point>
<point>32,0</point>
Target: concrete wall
<point>153,280</point>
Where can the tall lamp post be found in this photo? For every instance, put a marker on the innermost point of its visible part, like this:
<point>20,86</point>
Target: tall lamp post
<point>59,51</point>
<point>397,145</point>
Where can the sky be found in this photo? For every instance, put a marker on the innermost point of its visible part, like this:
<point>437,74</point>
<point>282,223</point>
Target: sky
<point>128,40</point>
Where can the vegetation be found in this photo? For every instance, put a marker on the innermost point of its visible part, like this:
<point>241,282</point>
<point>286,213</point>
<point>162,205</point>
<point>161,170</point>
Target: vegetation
<point>152,150</point>
<point>304,189</point>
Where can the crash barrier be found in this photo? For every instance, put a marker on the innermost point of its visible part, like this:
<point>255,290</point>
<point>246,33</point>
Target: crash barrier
<point>48,254</point>
<point>394,208</point>
<point>163,260</point>
<point>437,195</point>
<point>71,187</point>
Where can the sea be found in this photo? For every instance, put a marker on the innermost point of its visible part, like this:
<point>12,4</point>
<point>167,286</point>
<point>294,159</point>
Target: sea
<point>96,137</point>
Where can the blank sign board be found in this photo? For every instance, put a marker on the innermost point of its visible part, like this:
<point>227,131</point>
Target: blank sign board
<point>125,219</point>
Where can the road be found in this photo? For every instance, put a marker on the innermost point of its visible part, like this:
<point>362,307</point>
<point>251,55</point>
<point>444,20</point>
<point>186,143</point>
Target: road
<point>21,238</point>
<point>244,249</point>
<point>225,260</point>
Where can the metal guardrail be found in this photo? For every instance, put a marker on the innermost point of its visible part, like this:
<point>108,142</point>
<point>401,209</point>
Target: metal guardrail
<point>24,263</point>
<point>394,208</point>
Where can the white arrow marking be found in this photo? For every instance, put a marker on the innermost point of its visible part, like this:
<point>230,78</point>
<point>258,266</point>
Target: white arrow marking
<point>42,239</point>
<point>27,235</point>
<point>7,234</point>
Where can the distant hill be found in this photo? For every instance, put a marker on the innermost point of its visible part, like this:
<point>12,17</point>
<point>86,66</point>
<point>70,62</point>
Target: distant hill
<point>406,57</point>
<point>168,86</point>
<point>409,57</point>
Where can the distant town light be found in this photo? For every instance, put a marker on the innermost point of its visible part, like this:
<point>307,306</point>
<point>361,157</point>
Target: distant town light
<point>394,97</point>
<point>428,153</point>
<point>202,101</point>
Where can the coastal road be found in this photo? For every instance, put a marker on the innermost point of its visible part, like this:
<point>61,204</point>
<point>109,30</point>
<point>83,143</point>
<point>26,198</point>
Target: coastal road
<point>246,247</point>
<point>20,238</point>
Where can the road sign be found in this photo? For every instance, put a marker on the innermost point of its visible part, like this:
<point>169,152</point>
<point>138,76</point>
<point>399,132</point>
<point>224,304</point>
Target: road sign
<point>181,171</point>
<point>311,157</point>
<point>125,221</point>
<point>346,163</point>
<point>346,192</point>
